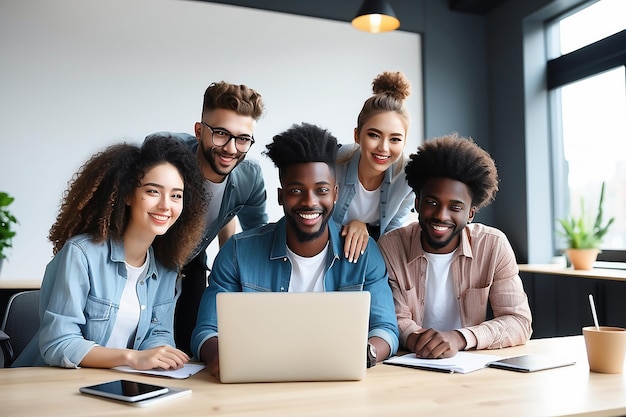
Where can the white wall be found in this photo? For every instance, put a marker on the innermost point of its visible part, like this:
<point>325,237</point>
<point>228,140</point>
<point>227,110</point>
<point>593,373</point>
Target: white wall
<point>77,75</point>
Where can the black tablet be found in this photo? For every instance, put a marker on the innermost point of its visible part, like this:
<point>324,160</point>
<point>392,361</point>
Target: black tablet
<point>124,390</point>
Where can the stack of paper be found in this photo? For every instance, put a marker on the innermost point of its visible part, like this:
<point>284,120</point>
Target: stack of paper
<point>463,362</point>
<point>186,371</point>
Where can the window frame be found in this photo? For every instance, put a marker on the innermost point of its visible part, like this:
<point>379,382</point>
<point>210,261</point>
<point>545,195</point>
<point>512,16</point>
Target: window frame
<point>593,59</point>
<point>600,56</point>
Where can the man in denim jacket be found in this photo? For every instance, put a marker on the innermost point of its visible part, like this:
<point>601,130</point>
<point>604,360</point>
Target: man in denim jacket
<point>301,252</point>
<point>233,186</point>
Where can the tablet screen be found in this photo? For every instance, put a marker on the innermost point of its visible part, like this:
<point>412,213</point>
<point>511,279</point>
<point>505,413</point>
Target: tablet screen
<point>125,390</point>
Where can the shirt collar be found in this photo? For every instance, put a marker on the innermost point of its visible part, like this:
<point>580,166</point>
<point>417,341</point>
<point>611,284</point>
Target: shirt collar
<point>117,255</point>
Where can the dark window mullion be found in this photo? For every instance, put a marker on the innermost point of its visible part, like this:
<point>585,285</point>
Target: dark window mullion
<point>592,59</point>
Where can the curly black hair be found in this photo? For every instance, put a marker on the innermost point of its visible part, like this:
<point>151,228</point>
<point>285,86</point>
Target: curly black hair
<point>95,201</point>
<point>300,144</point>
<point>458,158</point>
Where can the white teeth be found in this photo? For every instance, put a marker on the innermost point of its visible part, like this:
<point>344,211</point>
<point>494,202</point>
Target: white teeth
<point>440,228</point>
<point>162,218</point>
<point>309,216</point>
<point>381,157</point>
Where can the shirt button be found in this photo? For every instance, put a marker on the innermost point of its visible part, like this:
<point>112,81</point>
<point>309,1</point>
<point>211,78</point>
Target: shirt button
<point>140,282</point>
<point>143,307</point>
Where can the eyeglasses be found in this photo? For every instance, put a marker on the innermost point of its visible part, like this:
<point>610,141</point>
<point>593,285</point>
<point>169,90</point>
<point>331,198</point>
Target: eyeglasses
<point>221,137</point>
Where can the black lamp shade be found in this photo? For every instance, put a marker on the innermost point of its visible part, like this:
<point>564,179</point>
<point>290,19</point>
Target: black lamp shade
<point>376,16</point>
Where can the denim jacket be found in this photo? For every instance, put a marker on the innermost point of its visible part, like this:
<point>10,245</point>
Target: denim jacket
<point>244,196</point>
<point>257,261</point>
<point>396,197</point>
<point>80,296</point>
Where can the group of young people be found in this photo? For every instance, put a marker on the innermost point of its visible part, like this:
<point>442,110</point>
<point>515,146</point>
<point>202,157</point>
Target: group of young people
<point>128,281</point>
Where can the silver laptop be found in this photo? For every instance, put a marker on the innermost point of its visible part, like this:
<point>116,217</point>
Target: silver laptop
<point>277,337</point>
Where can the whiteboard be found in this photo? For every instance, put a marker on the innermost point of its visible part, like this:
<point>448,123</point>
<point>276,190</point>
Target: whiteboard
<point>78,75</point>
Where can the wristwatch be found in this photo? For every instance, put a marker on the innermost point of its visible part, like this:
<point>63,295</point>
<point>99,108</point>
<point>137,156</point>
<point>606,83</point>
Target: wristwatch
<point>371,355</point>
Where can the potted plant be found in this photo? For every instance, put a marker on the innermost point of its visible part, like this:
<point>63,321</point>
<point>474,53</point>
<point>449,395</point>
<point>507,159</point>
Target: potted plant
<point>584,235</point>
<point>6,220</point>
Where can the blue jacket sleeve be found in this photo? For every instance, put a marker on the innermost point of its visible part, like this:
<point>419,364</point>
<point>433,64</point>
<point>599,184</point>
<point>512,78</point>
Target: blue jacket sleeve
<point>224,277</point>
<point>383,321</point>
<point>401,215</point>
<point>254,212</point>
<point>61,341</point>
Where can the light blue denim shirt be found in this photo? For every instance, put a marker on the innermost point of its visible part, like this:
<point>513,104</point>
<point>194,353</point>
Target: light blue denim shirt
<point>80,296</point>
<point>396,197</point>
<point>244,196</point>
<point>257,260</point>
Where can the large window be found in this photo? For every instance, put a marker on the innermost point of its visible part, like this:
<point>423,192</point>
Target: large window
<point>587,79</point>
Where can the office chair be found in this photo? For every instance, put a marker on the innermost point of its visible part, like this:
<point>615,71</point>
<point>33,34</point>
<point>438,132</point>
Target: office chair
<point>20,323</point>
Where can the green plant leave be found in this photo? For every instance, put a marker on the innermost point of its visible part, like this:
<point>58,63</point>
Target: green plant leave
<point>6,220</point>
<point>583,232</point>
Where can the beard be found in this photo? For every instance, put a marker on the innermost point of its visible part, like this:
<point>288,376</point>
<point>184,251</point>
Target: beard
<point>304,236</point>
<point>438,244</point>
<point>210,154</point>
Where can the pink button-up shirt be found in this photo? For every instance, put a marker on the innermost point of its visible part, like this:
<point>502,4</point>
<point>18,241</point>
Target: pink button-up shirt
<point>484,270</point>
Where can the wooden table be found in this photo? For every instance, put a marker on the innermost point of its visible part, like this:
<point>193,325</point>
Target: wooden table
<point>386,391</point>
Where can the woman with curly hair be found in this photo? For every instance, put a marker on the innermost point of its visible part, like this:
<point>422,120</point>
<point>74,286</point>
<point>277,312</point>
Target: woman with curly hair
<point>128,222</point>
<point>374,197</point>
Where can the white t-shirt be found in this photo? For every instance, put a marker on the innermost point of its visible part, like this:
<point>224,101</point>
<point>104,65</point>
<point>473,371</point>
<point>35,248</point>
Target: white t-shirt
<point>214,193</point>
<point>128,315</point>
<point>365,206</point>
<point>441,310</point>
<point>307,274</point>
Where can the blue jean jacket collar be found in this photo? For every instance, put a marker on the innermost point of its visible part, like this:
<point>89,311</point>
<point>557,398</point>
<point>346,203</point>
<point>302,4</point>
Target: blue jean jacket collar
<point>119,256</point>
<point>279,245</point>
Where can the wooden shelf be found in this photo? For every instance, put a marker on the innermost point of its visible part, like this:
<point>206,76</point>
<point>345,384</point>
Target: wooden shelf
<point>553,269</point>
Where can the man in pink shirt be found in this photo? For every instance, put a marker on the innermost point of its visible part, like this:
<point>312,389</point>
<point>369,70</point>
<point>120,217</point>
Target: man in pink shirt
<point>444,270</point>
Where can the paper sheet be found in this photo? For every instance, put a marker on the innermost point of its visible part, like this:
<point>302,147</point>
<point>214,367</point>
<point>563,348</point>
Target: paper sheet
<point>185,372</point>
<point>463,362</point>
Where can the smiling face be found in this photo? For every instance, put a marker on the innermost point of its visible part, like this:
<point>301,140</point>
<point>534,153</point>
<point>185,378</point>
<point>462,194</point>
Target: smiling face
<point>382,141</point>
<point>217,162</point>
<point>445,207</point>
<point>157,203</point>
<point>308,196</point>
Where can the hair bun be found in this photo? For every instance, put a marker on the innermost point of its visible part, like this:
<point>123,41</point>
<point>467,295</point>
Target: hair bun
<point>392,83</point>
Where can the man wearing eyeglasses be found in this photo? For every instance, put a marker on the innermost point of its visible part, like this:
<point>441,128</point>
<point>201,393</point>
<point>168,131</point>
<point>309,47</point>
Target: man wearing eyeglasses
<point>233,187</point>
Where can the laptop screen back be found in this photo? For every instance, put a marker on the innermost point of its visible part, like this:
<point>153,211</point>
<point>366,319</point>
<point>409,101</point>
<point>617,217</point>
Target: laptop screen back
<point>276,337</point>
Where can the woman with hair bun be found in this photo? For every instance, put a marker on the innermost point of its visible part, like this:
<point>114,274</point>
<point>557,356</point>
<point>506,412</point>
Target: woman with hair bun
<point>374,196</point>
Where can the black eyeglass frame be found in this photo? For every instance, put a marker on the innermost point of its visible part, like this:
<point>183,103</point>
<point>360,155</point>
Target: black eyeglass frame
<point>247,139</point>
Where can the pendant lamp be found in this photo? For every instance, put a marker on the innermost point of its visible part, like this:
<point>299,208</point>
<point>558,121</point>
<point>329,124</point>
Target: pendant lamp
<point>376,16</point>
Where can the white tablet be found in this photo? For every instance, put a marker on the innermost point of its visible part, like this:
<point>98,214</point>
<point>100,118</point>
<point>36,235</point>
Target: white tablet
<point>174,392</point>
<point>530,363</point>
